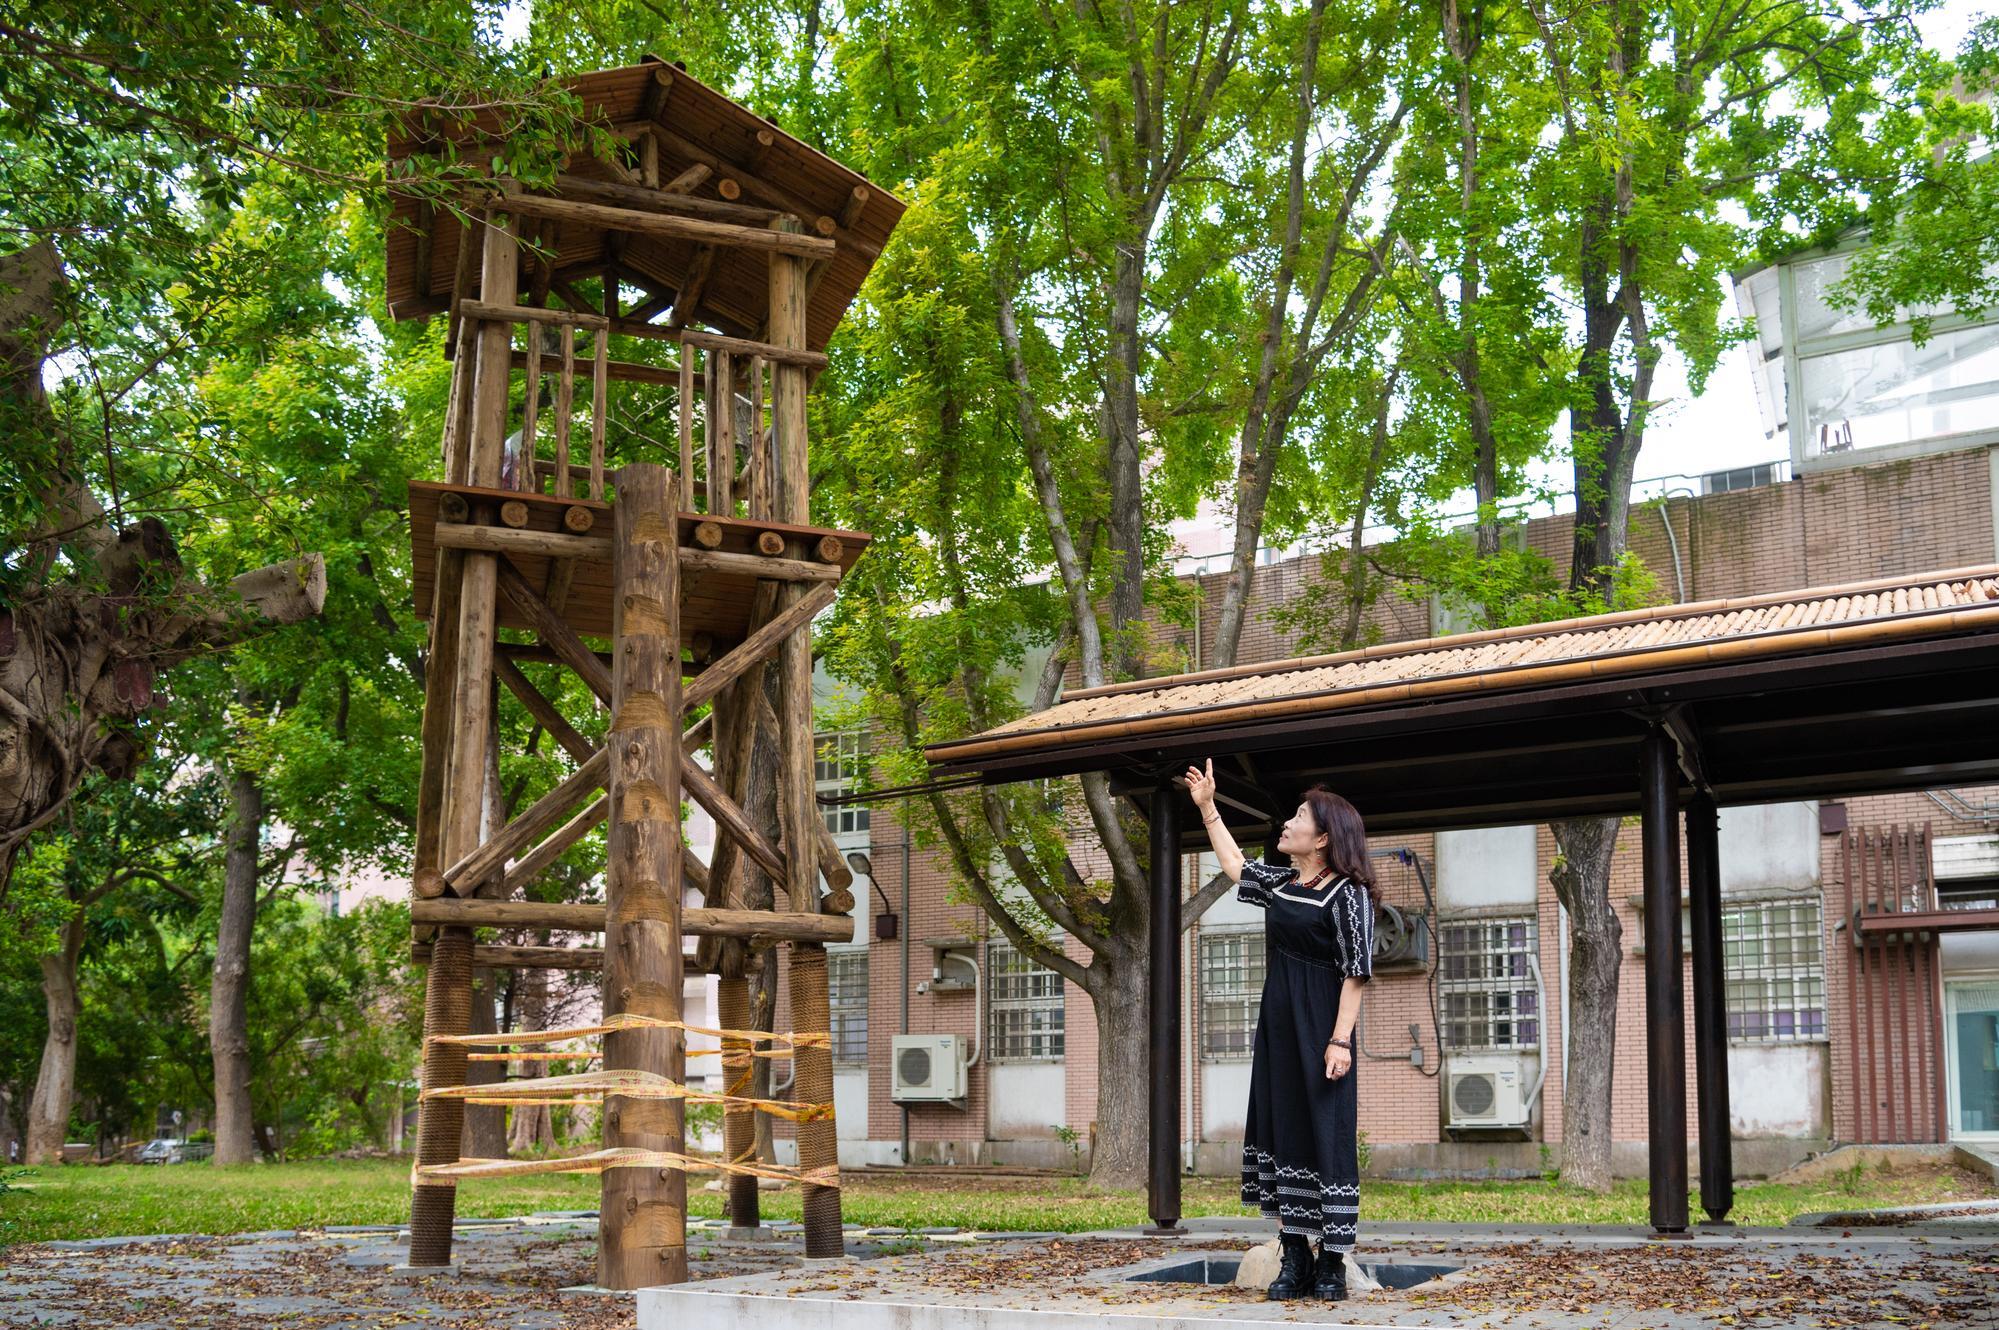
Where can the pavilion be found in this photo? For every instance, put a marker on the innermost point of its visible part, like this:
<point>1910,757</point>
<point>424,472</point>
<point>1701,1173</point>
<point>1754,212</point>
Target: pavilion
<point>1859,689</point>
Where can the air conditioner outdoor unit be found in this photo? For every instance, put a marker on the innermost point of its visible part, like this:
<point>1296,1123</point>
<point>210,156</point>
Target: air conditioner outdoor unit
<point>1486,1090</point>
<point>929,1068</point>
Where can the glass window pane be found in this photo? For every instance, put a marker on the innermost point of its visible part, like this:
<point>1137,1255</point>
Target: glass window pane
<point>1025,1012</point>
<point>1899,392</point>
<point>1485,990</point>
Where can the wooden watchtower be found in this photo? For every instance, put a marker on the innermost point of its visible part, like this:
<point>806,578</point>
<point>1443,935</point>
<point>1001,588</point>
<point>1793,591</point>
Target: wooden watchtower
<point>678,533</point>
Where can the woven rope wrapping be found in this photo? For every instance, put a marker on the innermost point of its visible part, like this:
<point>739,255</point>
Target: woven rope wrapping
<point>786,1041</point>
<point>447,1175</point>
<point>590,1086</point>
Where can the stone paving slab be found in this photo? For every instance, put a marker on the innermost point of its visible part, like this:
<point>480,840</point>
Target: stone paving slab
<point>513,1274</point>
<point>1510,1279</point>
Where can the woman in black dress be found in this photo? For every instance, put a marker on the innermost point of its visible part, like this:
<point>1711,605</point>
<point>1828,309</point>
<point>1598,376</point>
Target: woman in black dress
<point>1300,1157</point>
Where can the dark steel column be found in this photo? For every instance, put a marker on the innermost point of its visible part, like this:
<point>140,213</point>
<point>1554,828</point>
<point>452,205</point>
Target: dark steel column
<point>1710,1006</point>
<point>1163,984</point>
<point>1665,1002</point>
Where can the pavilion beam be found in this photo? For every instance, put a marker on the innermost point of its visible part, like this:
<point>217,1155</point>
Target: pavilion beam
<point>522,958</point>
<point>1665,1001</point>
<point>818,1139</point>
<point>1163,977</point>
<point>448,986</point>
<point>1710,1006</point>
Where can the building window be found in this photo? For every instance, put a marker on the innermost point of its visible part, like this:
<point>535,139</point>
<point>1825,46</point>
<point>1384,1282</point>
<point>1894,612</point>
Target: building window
<point>1024,1008</point>
<point>1835,382</point>
<point>847,984</point>
<point>837,769</point>
<point>1968,893</point>
<point>1745,477</point>
<point>1773,963</point>
<point>1485,984</point>
<point>1231,987</point>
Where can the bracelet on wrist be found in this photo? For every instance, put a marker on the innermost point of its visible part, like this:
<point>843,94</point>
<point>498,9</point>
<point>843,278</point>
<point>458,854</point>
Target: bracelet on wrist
<point>1337,1042</point>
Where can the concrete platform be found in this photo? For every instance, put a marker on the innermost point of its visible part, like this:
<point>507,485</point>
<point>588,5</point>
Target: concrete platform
<point>1581,1278</point>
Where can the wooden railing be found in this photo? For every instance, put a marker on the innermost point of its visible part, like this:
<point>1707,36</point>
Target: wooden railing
<point>723,417</point>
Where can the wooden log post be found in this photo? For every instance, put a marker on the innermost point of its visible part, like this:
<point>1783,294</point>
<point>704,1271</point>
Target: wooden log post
<point>739,1128</point>
<point>818,1139</point>
<point>448,987</point>
<point>643,1240</point>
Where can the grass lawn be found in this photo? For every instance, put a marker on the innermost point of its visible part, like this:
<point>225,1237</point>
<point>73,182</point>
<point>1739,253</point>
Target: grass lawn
<point>83,1202</point>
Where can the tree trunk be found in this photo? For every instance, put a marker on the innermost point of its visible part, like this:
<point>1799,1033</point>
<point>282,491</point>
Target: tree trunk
<point>485,1124</point>
<point>533,1130</point>
<point>1118,1160</point>
<point>1581,876</point>
<point>1120,431</point>
<point>55,1083</point>
<point>229,989</point>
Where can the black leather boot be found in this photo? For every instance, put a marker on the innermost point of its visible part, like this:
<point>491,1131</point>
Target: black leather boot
<point>1329,1277</point>
<point>1294,1274</point>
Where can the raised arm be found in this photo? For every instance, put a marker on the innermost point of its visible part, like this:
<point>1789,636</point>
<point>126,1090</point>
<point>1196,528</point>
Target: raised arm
<point>1201,786</point>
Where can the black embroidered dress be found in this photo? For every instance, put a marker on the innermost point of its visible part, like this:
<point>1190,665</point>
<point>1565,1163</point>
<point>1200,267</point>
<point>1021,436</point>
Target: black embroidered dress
<point>1300,1158</point>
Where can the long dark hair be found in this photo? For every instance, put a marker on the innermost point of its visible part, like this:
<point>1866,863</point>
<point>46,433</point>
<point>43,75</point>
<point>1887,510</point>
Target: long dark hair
<point>1346,837</point>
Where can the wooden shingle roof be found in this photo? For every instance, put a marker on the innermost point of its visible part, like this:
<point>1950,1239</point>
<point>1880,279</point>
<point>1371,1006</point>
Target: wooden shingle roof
<point>693,125</point>
<point>1626,645</point>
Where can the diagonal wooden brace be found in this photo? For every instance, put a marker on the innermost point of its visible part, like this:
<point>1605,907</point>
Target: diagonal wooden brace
<point>711,681</point>
<point>543,815</point>
<point>543,710</point>
<point>538,860</point>
<point>554,631</point>
<point>711,796</point>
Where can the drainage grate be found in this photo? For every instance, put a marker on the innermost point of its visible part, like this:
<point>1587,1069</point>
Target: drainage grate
<point>1222,1270</point>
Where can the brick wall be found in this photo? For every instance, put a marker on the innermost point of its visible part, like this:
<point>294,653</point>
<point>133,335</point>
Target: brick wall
<point>1838,526</point>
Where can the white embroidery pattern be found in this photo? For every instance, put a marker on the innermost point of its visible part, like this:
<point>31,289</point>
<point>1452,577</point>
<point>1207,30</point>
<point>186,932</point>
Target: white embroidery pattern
<point>1327,1211</point>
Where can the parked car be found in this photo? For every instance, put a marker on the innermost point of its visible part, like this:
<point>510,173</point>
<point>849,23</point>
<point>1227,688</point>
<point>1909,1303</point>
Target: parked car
<point>174,1150</point>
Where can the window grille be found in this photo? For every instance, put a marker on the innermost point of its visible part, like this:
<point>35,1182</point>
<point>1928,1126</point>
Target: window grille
<point>1231,988</point>
<point>1773,964</point>
<point>1485,984</point>
<point>837,767</point>
<point>847,985</point>
<point>1024,1006</point>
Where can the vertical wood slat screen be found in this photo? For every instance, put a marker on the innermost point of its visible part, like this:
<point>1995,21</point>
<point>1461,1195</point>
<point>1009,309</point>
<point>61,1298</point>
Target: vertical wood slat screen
<point>1894,993</point>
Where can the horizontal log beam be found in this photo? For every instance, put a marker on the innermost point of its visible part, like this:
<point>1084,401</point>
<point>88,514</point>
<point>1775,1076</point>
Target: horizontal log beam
<point>727,561</point>
<point>620,371</point>
<point>694,229</point>
<point>480,309</point>
<point>523,958</point>
<point>779,926</point>
<point>653,200</point>
<point>743,346</point>
<point>539,654</point>
<point>511,540</point>
<point>759,185</point>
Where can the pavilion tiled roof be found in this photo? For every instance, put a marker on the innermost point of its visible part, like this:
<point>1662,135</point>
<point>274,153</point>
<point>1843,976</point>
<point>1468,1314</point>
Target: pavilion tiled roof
<point>1600,646</point>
